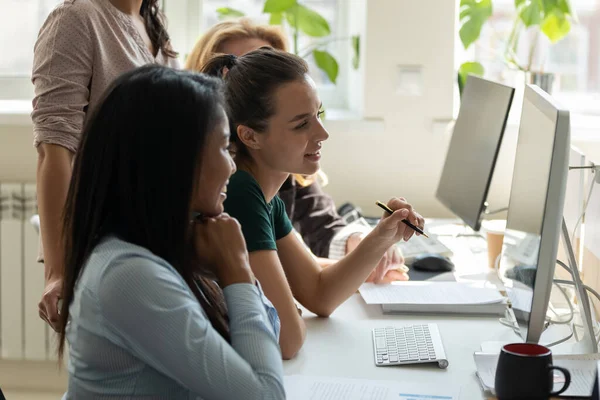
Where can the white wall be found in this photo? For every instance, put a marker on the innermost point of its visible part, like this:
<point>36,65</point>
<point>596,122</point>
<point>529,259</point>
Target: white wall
<point>403,154</point>
<point>17,154</point>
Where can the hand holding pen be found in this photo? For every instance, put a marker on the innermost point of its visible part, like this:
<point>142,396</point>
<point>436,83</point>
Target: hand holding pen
<point>400,220</point>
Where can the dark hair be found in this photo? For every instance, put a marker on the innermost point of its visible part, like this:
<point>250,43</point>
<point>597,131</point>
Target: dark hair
<point>154,20</point>
<point>250,84</point>
<point>134,177</point>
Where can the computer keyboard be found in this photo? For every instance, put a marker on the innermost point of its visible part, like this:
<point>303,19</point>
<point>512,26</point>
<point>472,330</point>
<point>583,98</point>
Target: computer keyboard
<point>411,344</point>
<point>418,245</point>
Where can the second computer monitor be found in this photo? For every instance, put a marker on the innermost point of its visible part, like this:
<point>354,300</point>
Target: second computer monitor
<point>536,207</point>
<point>473,149</point>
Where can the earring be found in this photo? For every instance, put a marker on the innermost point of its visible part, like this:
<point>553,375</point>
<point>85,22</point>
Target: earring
<point>197,217</point>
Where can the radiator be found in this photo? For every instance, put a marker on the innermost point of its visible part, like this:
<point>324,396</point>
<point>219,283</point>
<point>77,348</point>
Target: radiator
<point>23,334</point>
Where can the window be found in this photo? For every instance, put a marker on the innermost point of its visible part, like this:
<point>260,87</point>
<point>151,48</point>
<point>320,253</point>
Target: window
<point>20,21</point>
<point>575,59</point>
<point>332,95</point>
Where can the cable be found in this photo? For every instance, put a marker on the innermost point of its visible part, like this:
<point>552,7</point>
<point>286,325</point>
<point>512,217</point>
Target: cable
<point>561,340</point>
<point>589,289</point>
<point>571,308</point>
<point>509,321</point>
<point>593,292</point>
<point>587,202</point>
<point>565,266</point>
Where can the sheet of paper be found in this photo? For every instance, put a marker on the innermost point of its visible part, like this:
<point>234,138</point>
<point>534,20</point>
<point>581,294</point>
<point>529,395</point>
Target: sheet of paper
<point>300,387</point>
<point>429,293</point>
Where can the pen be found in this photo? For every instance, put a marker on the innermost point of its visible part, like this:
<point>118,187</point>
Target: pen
<point>407,222</point>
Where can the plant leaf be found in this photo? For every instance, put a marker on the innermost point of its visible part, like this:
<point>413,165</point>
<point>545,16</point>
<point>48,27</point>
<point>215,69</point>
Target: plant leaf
<point>327,63</point>
<point>567,9</point>
<point>226,12</point>
<point>548,6</point>
<point>465,69</point>
<point>531,12</point>
<point>276,18</point>
<point>564,6</point>
<point>355,51</point>
<point>555,26</point>
<point>473,14</point>
<point>274,6</point>
<point>308,21</point>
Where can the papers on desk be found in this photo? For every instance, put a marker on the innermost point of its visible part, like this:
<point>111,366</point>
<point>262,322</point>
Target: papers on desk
<point>300,387</point>
<point>439,297</point>
<point>581,366</point>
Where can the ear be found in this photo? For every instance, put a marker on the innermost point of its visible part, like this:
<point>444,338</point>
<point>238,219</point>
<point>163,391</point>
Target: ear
<point>249,137</point>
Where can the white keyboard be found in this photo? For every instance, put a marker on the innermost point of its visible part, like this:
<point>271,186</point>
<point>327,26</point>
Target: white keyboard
<point>411,344</point>
<point>418,245</point>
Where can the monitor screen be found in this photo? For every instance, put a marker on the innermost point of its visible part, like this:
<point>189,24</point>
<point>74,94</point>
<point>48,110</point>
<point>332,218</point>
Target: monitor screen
<point>473,149</point>
<point>535,209</point>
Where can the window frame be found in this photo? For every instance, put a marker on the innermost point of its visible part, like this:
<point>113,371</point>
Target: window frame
<point>579,101</point>
<point>17,87</point>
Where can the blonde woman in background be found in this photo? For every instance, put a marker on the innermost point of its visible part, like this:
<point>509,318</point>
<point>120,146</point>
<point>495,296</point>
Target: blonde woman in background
<point>311,211</point>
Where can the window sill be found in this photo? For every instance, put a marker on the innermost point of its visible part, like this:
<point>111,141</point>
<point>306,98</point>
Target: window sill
<point>15,112</point>
<point>583,127</point>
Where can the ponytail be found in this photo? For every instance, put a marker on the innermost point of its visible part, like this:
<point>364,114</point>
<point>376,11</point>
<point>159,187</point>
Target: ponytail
<point>216,65</point>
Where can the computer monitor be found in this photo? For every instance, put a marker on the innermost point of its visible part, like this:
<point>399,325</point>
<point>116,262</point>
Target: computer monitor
<point>536,207</point>
<point>473,149</point>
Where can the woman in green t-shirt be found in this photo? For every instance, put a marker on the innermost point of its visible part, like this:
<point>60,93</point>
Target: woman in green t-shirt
<point>274,109</point>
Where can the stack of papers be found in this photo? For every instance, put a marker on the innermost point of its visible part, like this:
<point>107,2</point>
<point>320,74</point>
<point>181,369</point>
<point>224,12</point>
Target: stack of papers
<point>300,387</point>
<point>435,297</point>
<point>581,366</point>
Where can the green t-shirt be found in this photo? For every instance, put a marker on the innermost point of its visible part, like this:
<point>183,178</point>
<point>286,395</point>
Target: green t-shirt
<point>262,223</point>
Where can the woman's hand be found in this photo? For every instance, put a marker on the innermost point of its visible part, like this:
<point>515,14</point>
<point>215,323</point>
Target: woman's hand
<point>390,268</point>
<point>49,307</point>
<point>391,229</point>
<point>220,245</point>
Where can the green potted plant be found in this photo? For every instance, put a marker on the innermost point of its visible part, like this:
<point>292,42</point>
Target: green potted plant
<point>302,20</point>
<point>472,17</point>
<point>552,18</point>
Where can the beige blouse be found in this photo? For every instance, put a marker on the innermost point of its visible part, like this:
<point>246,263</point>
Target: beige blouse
<point>81,48</point>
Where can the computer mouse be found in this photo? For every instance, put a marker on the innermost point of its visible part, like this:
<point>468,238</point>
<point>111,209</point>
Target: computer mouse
<point>432,263</point>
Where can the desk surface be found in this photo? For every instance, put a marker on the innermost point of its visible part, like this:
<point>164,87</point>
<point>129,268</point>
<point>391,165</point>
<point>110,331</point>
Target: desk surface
<point>342,346</point>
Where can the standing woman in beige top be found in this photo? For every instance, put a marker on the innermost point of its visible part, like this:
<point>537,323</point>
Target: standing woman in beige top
<point>82,47</point>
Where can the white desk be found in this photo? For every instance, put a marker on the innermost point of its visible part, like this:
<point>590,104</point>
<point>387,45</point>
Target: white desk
<point>342,346</point>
